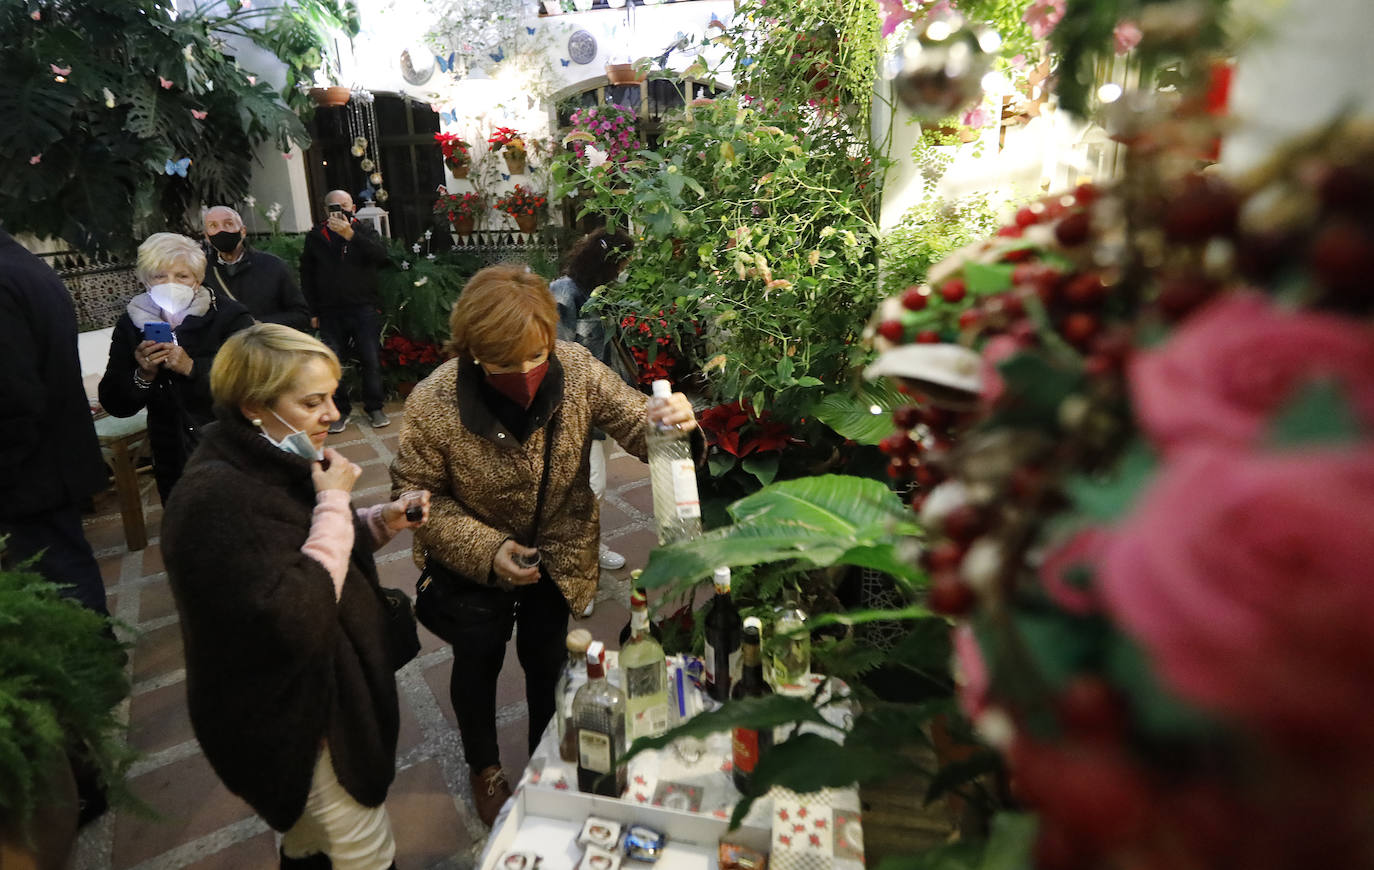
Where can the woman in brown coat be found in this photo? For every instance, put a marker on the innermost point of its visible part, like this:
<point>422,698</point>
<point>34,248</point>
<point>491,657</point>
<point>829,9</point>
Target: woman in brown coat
<point>511,418</point>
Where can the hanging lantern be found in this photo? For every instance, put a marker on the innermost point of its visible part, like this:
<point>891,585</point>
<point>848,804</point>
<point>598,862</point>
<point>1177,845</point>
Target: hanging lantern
<point>938,71</point>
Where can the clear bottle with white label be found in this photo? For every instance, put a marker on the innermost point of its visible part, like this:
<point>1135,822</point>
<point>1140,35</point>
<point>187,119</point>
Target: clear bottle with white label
<point>644,672</point>
<point>599,717</point>
<point>673,476</point>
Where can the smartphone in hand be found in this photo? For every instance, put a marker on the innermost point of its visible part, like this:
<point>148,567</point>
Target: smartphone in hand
<point>335,208</point>
<point>158,330</point>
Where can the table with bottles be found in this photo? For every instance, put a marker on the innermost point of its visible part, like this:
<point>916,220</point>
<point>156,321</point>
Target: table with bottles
<point>695,776</point>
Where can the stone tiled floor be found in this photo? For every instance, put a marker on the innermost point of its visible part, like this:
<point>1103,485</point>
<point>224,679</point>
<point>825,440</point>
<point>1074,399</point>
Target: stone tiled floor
<point>199,823</point>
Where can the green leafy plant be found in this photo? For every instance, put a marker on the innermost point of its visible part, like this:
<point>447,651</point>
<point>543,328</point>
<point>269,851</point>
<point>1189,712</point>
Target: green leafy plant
<point>102,146</point>
<point>302,34</point>
<point>61,677</point>
<point>928,232</point>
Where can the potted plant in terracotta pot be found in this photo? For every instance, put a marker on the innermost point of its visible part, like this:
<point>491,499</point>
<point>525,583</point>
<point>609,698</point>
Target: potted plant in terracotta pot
<point>628,73</point>
<point>459,209</point>
<point>457,154</point>
<point>512,147</point>
<point>523,205</point>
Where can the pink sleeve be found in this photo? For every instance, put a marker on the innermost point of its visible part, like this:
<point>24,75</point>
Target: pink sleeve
<point>331,535</point>
<point>372,518</point>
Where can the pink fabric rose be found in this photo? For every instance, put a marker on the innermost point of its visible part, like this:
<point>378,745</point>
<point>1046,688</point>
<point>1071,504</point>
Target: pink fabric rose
<point>1231,367</point>
<point>1247,579</point>
<point>1083,550</point>
<point>1126,36</point>
<point>1043,16</point>
<point>997,349</point>
<point>973,671</point>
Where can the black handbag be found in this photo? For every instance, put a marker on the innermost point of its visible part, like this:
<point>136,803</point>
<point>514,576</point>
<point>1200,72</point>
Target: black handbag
<point>443,596</point>
<point>402,638</point>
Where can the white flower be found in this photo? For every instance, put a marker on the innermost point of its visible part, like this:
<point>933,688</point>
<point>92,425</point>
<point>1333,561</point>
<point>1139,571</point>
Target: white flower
<point>109,98</point>
<point>274,211</point>
<point>415,248</point>
<point>188,51</point>
<point>422,282</point>
<point>250,200</point>
<point>429,256</point>
<point>428,233</point>
<point>405,265</point>
<point>595,156</point>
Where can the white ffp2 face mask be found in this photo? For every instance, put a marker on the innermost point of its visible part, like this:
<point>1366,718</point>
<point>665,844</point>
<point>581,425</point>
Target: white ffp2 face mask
<point>297,443</point>
<point>171,297</point>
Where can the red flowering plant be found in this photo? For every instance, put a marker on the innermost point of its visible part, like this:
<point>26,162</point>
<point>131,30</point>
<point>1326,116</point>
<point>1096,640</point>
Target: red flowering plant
<point>736,431</point>
<point>408,360</point>
<point>455,150</point>
<point>506,137</point>
<point>521,202</point>
<point>654,344</point>
<point>1143,451</point>
<point>455,206</point>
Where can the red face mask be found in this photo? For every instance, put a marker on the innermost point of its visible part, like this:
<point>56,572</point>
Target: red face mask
<point>519,387</point>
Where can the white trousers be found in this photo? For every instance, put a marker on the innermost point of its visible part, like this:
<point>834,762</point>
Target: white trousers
<point>598,463</point>
<point>354,837</point>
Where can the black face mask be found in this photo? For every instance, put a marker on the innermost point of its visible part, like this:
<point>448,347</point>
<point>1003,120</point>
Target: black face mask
<point>226,240</point>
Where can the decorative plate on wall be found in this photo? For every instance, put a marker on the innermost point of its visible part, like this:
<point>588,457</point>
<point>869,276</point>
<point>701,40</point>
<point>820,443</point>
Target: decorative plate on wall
<point>582,47</point>
<point>410,73</point>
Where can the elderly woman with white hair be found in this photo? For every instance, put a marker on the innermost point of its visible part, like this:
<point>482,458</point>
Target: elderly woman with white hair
<point>162,348</point>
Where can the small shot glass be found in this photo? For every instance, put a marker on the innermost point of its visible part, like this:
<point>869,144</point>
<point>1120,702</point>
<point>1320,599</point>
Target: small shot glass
<point>526,561</point>
<point>414,501</point>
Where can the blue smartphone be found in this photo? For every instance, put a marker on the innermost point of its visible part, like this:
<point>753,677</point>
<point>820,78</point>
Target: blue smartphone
<point>158,330</point>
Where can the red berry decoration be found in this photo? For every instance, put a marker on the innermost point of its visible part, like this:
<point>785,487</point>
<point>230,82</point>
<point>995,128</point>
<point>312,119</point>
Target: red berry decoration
<point>1011,304</point>
<point>1206,207</point>
<point>927,476</point>
<point>915,298</point>
<point>970,318</point>
<point>927,336</point>
<point>1018,255</point>
<point>1086,288</point>
<point>1026,217</point>
<point>1010,232</point>
<point>1089,707</point>
<point>1346,189</point>
<point>1181,292</point>
<point>953,290</point>
<point>1073,230</point>
<point>1086,193</point>
<point>963,524</point>
<point>1079,328</point>
<point>1342,256</point>
<point>950,595</point>
<point>907,417</point>
<point>944,556</point>
<point>892,330</point>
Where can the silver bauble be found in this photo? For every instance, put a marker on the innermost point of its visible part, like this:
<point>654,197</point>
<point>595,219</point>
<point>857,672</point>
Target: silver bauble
<point>938,71</point>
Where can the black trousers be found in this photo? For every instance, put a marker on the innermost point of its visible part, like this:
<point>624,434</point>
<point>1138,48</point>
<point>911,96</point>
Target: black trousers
<point>539,615</point>
<point>67,558</point>
<point>356,333</point>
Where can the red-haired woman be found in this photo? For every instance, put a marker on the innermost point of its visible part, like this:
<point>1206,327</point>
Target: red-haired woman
<point>500,437</point>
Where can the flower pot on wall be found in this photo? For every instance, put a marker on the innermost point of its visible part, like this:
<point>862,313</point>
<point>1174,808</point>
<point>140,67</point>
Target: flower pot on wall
<point>515,160</point>
<point>336,95</point>
<point>463,226</point>
<point>526,222</point>
<point>459,170</point>
<point>622,74</point>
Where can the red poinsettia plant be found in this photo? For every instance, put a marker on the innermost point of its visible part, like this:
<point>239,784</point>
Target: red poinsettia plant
<point>410,359</point>
<point>521,202</point>
<point>506,137</point>
<point>455,206</point>
<point>454,147</point>
<point>736,431</point>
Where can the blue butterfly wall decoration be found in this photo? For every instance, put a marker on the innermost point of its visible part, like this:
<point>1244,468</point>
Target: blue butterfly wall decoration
<point>177,167</point>
<point>505,176</point>
<point>450,117</point>
<point>446,65</point>
<point>497,56</point>
<point>530,31</point>
<point>565,61</point>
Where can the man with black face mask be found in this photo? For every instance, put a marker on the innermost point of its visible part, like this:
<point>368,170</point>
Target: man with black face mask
<point>262,282</point>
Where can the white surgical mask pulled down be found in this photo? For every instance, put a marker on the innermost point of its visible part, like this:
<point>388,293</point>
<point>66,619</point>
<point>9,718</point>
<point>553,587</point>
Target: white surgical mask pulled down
<point>297,443</point>
<point>171,297</point>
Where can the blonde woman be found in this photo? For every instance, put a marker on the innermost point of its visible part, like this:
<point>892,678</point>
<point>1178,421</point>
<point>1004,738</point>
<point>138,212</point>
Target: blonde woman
<point>289,676</point>
<point>161,351</point>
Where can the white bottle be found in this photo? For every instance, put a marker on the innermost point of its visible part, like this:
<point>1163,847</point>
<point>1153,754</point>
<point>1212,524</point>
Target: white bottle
<point>673,475</point>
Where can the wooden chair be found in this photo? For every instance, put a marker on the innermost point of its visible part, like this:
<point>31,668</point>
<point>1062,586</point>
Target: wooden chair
<point>124,440</point>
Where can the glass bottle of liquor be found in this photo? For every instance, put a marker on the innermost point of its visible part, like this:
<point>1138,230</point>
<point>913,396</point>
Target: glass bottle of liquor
<point>748,744</point>
<point>654,631</point>
<point>599,717</point>
<point>792,642</point>
<point>722,640</point>
<point>573,676</point>
<point>644,673</point>
<point>673,476</point>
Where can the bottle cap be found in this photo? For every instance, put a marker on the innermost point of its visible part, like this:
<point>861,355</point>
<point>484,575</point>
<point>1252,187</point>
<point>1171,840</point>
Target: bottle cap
<point>753,622</point>
<point>596,653</point>
<point>662,389</point>
<point>752,631</point>
<point>722,577</point>
<point>578,640</point>
<point>638,600</point>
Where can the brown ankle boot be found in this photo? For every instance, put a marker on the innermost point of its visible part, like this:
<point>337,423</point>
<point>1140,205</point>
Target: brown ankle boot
<point>489,793</point>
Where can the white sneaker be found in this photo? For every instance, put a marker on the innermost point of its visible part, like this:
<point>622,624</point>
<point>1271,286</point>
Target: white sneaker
<point>591,605</point>
<point>610,559</point>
